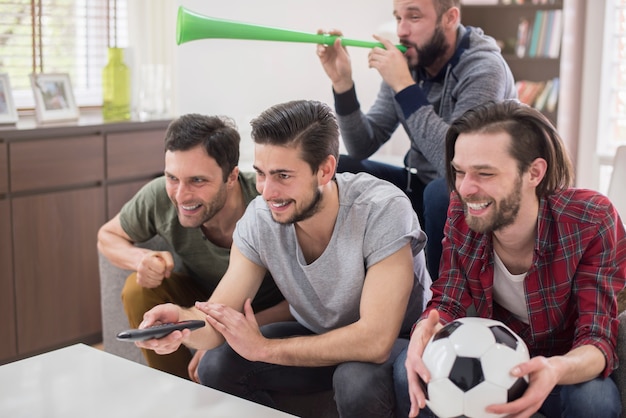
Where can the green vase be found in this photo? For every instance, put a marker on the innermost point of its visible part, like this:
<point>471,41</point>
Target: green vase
<point>116,87</point>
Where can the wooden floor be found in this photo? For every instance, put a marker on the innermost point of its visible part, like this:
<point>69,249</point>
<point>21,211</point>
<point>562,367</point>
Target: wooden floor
<point>99,346</point>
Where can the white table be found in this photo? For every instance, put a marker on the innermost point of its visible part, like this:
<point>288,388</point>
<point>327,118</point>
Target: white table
<point>81,381</point>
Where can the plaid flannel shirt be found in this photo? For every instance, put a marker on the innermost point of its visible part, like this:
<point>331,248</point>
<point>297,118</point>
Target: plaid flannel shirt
<point>578,267</point>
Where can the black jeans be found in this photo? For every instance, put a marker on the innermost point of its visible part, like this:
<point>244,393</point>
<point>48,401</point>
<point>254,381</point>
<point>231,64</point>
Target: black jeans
<point>430,201</point>
<point>361,389</point>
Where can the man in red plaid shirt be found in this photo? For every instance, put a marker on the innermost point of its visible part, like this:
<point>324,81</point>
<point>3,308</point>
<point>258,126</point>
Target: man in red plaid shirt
<point>523,247</point>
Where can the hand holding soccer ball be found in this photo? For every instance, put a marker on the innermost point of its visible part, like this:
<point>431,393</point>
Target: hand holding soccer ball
<point>469,361</point>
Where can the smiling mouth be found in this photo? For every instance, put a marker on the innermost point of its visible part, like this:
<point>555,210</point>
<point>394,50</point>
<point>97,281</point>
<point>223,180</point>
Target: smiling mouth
<point>279,205</point>
<point>187,207</point>
<point>477,206</point>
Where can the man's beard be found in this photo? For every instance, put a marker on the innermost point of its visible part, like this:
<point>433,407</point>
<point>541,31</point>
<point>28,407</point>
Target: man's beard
<point>433,50</point>
<point>308,211</point>
<point>507,210</point>
<point>212,208</point>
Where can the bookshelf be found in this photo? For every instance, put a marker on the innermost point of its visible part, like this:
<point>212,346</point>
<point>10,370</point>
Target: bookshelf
<point>530,35</point>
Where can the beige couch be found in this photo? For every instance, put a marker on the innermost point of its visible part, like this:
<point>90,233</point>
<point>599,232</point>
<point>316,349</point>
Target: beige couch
<point>315,406</point>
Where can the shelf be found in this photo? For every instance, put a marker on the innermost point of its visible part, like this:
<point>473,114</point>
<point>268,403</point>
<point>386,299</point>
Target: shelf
<point>502,22</point>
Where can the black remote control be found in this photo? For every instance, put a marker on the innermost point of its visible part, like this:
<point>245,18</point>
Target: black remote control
<point>158,331</point>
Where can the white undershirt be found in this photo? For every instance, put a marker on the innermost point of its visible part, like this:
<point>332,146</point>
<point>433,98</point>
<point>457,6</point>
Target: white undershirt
<point>508,290</point>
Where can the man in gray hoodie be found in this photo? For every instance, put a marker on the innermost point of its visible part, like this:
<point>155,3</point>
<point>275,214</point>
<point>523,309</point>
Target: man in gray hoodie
<point>451,68</point>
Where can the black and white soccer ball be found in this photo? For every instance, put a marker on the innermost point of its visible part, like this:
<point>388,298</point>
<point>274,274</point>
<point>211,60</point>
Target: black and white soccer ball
<point>469,361</point>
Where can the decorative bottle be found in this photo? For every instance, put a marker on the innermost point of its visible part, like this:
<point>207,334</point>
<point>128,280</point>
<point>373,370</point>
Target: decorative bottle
<point>116,87</point>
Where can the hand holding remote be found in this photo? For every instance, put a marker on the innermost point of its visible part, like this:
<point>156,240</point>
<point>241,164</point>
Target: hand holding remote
<point>158,331</point>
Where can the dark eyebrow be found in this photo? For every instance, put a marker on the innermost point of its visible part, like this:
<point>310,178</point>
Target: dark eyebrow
<point>474,167</point>
<point>482,167</point>
<point>276,171</point>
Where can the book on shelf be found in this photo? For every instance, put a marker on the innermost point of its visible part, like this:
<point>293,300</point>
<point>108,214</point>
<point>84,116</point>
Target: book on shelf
<point>554,48</point>
<point>553,98</point>
<point>523,34</point>
<point>542,95</point>
<point>536,32</point>
<point>527,91</point>
<point>545,34</point>
<point>544,42</point>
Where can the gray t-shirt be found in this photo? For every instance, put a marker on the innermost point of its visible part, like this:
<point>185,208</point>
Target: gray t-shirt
<point>375,220</point>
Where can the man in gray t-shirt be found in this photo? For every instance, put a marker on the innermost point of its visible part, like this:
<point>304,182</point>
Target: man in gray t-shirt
<point>325,294</point>
<point>345,251</point>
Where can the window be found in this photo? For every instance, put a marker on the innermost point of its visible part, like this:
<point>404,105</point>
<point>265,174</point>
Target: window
<point>612,131</point>
<point>611,116</point>
<point>60,36</point>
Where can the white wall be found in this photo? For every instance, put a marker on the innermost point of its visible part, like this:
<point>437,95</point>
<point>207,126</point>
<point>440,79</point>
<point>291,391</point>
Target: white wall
<point>241,78</point>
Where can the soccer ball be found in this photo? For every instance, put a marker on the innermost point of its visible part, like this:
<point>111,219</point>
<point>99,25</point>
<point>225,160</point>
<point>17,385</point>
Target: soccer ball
<point>469,361</point>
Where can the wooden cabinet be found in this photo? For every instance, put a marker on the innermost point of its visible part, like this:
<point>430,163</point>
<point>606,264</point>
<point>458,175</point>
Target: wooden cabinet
<point>8,337</point>
<point>4,170</point>
<point>527,51</point>
<point>123,164</point>
<point>58,185</point>
<point>131,155</point>
<point>57,293</point>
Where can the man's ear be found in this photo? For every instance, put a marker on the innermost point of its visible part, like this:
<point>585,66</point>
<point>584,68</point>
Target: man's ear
<point>537,171</point>
<point>451,17</point>
<point>233,177</point>
<point>326,171</point>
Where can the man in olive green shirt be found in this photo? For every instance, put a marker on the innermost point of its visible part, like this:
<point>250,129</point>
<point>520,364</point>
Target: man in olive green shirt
<point>194,207</point>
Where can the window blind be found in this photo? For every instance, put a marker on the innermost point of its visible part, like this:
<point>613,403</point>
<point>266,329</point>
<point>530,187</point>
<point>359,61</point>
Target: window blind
<point>60,36</point>
<point>614,83</point>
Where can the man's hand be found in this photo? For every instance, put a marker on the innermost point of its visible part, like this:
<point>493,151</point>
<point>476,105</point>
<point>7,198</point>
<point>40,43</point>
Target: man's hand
<point>163,314</point>
<point>336,62</point>
<point>240,330</point>
<point>415,367</point>
<point>153,268</point>
<point>542,376</point>
<point>192,367</point>
<point>391,64</point>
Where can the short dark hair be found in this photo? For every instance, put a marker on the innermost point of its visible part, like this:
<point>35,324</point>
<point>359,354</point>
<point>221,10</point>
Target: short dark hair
<point>532,136</point>
<point>217,134</point>
<point>307,124</point>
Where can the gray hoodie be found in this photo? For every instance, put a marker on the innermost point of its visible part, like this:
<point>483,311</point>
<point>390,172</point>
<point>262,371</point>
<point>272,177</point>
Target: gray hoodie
<point>477,73</point>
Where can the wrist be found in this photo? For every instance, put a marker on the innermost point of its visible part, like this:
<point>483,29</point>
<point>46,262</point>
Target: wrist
<point>341,87</point>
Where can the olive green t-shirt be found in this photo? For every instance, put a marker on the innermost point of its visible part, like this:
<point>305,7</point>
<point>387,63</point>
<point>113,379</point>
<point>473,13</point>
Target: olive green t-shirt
<point>150,212</point>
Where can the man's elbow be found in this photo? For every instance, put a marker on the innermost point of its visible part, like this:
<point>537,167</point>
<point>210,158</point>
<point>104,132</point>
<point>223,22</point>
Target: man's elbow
<point>380,350</point>
<point>100,239</point>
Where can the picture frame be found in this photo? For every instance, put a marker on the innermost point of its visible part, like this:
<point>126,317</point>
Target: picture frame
<point>54,97</point>
<point>8,112</point>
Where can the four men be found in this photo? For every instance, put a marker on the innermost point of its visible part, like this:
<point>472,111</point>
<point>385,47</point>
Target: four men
<point>346,251</point>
